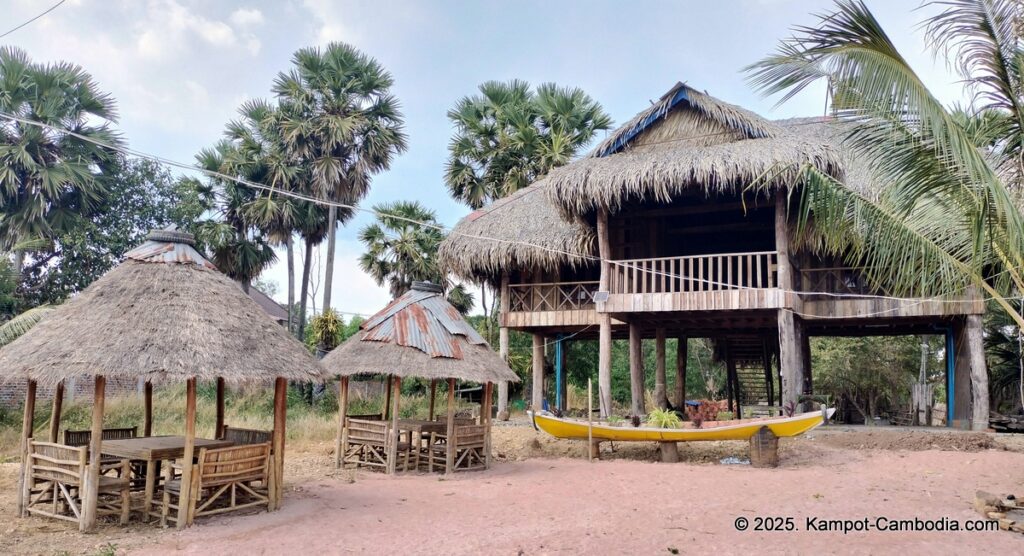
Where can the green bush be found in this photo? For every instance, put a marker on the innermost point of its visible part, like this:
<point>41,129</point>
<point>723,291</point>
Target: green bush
<point>663,419</point>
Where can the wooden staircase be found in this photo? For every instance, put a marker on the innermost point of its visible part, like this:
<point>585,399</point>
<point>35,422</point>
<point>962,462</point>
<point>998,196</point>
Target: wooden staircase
<point>749,356</point>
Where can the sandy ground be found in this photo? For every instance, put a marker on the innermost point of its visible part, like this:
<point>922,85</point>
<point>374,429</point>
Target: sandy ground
<point>538,501</point>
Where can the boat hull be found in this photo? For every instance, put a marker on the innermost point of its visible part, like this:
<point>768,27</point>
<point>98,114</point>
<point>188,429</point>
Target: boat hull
<point>580,430</point>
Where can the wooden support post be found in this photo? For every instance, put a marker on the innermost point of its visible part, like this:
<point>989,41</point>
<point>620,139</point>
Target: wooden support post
<point>791,360</point>
<point>590,419</point>
<point>604,320</point>
<point>90,492</point>
<point>218,427</point>
<point>277,440</point>
<point>147,409</point>
<point>449,456</point>
<point>660,381</point>
<point>488,395</point>
<point>669,452</point>
<point>733,386</point>
<point>187,465</point>
<point>24,479</point>
<point>341,443</point>
<point>433,398</point>
<point>764,448</point>
<point>766,357</point>
<point>537,399</point>
<point>785,266</point>
<point>396,397</point>
<point>636,369</point>
<point>681,355</point>
<point>58,403</point>
<point>384,410</point>
<point>503,412</point>
<point>971,384</point>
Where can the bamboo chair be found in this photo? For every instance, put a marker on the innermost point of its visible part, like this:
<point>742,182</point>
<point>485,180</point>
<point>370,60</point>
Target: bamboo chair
<point>368,443</point>
<point>239,436</point>
<point>57,473</point>
<point>111,463</point>
<point>470,443</point>
<point>224,480</point>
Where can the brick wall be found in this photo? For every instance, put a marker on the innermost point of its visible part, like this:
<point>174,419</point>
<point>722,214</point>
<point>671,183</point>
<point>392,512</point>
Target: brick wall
<point>75,390</point>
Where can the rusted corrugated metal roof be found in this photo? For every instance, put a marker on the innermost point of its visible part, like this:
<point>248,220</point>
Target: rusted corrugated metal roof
<point>169,247</point>
<point>423,319</point>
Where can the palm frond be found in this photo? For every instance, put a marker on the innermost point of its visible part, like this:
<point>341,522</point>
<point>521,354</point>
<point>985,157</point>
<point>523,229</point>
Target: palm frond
<point>20,324</point>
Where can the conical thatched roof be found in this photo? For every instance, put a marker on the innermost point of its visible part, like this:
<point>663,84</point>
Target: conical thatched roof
<point>534,235</point>
<point>165,314</point>
<point>419,335</point>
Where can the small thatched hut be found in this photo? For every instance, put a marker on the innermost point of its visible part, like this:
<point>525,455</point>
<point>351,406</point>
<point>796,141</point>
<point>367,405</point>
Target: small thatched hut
<point>164,315</point>
<point>418,335</point>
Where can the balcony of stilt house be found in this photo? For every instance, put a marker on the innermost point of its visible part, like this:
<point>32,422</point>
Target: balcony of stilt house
<point>418,335</point>
<point>164,316</point>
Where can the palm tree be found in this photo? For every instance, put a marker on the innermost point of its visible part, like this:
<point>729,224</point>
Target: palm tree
<point>949,213</point>
<point>49,178</point>
<point>399,251</point>
<point>507,136</point>
<point>340,118</point>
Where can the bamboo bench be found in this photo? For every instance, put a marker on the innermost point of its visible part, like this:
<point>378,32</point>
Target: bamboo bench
<point>469,445</point>
<point>367,444</point>
<point>224,480</point>
<point>54,485</point>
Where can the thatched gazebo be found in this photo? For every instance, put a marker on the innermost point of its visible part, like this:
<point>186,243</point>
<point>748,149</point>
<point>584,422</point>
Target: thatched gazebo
<point>165,315</point>
<point>418,335</point>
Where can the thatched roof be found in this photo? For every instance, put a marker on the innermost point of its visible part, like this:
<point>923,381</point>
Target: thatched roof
<point>419,335</point>
<point>533,234</point>
<point>165,314</point>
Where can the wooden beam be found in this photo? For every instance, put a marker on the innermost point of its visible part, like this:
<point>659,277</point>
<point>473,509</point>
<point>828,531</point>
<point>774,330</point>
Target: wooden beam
<point>636,369</point>
<point>218,427</point>
<point>90,492</point>
<point>979,374</point>
<point>604,349</point>
<point>791,359</point>
<point>537,399</point>
<point>24,480</point>
<point>784,266</point>
<point>681,355</point>
<point>187,467</point>
<point>147,409</point>
<point>660,380</point>
<point>433,398</point>
<point>341,442</point>
<point>503,412</point>
<point>396,382</point>
<point>277,440</point>
<point>55,413</point>
<point>387,400</point>
<point>488,395</point>
<point>449,456</point>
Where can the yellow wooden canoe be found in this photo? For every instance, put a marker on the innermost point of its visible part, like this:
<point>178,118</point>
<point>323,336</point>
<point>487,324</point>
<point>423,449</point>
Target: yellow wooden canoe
<point>578,430</point>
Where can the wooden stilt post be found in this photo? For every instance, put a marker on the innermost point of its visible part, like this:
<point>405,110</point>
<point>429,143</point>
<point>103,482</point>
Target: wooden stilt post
<point>764,448</point>
<point>979,374</point>
<point>147,408</point>
<point>636,369</point>
<point>449,456</point>
<point>503,412</point>
<point>218,426</point>
<point>396,397</point>
<point>341,441</point>
<point>24,480</point>
<point>590,420</point>
<point>660,380</point>
<point>681,354</point>
<point>791,360</point>
<point>488,394</point>
<point>58,404</point>
<point>90,492</point>
<point>277,440</point>
<point>604,320</point>
<point>384,411</point>
<point>433,398</point>
<point>187,466</point>
<point>537,399</point>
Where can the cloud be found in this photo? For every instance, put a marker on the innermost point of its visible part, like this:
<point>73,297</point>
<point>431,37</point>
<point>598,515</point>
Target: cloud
<point>171,28</point>
<point>246,17</point>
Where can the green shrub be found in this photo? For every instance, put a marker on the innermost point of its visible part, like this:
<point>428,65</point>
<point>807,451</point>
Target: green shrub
<point>725,416</point>
<point>663,419</point>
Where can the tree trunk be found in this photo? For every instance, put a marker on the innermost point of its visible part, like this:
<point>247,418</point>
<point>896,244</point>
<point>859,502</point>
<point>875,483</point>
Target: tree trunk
<point>19,263</point>
<point>307,262</point>
<point>291,283</point>
<point>487,314</point>
<point>660,380</point>
<point>332,222</point>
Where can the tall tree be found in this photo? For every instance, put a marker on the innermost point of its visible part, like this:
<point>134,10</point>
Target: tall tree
<point>50,179</point>
<point>400,251</point>
<point>947,217</point>
<point>341,118</point>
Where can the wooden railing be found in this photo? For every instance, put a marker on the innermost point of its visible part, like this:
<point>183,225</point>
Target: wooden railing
<point>557,296</point>
<point>698,273</point>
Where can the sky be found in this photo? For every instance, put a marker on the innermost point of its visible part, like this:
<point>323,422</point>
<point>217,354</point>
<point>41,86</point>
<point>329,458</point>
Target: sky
<point>179,69</point>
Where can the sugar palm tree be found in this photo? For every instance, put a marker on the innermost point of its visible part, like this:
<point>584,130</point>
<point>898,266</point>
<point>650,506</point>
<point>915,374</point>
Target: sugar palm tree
<point>507,136</point>
<point>49,178</point>
<point>341,119</point>
<point>948,214</point>
<point>399,251</point>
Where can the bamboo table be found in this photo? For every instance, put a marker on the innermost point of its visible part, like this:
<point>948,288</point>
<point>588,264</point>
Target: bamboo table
<point>152,449</point>
<point>418,427</point>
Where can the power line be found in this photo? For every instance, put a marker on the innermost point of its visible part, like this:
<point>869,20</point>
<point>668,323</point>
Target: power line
<point>51,8</point>
<point>291,194</point>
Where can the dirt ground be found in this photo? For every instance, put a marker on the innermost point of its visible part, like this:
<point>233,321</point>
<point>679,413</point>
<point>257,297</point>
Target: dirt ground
<point>543,497</point>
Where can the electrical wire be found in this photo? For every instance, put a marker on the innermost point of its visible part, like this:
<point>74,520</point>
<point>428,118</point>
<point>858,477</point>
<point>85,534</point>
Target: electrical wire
<point>50,9</point>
